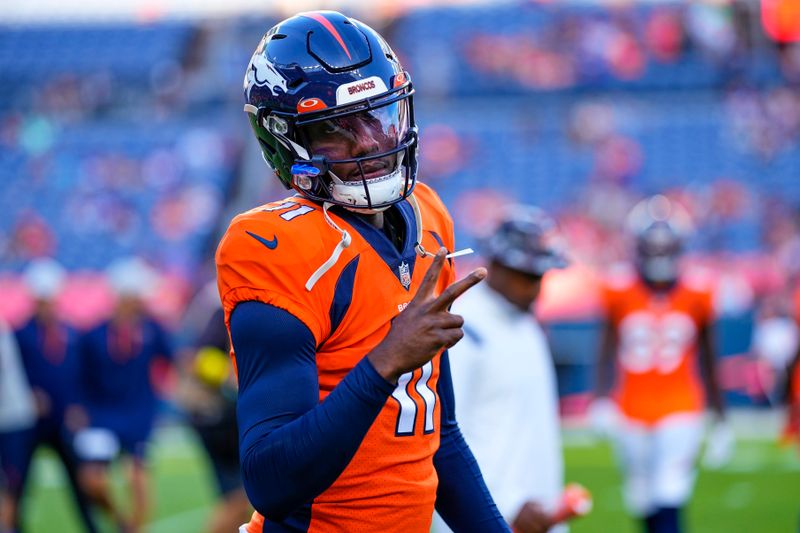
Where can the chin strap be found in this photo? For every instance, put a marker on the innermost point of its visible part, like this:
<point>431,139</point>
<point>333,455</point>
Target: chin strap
<point>422,252</point>
<point>344,243</point>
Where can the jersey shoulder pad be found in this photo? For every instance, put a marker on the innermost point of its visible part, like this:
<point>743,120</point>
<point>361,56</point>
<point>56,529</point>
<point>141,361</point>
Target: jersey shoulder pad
<point>278,234</point>
<point>619,289</point>
<point>621,278</point>
<point>697,279</point>
<point>268,254</point>
<point>435,216</point>
<point>701,295</point>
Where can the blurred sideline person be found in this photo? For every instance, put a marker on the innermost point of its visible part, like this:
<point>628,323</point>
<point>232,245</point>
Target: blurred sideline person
<point>503,374</point>
<point>17,422</point>
<point>208,393</point>
<point>49,353</point>
<point>774,344</point>
<point>791,429</point>
<point>657,325</point>
<point>337,310</point>
<point>117,360</point>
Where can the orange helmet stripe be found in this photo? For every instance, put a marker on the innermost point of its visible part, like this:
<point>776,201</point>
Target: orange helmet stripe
<point>319,17</point>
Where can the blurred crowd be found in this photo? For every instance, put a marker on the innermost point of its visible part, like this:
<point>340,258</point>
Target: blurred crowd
<point>113,158</point>
<point>618,43</point>
<point>96,166</point>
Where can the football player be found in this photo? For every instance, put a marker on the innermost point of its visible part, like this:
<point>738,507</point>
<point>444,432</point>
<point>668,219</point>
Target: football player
<point>657,326</point>
<point>791,430</point>
<point>117,359</point>
<point>49,352</point>
<point>17,425</point>
<point>337,299</point>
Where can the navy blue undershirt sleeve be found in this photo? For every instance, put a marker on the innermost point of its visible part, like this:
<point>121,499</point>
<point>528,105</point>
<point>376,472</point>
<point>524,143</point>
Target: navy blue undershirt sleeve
<point>462,499</point>
<point>292,447</point>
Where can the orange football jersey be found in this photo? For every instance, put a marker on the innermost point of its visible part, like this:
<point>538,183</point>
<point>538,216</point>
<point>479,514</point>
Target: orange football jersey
<point>268,254</point>
<point>657,339</point>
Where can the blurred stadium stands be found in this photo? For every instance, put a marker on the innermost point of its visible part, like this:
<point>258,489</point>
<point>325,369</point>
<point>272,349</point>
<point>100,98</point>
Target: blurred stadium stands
<point>583,109</point>
<point>127,138</point>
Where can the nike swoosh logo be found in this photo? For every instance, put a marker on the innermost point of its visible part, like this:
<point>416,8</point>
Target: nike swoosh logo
<point>269,244</point>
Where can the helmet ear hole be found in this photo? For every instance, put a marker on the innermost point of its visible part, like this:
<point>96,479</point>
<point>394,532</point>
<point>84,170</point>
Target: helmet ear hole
<point>267,148</point>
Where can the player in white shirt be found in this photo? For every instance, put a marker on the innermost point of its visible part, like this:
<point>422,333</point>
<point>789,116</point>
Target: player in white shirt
<point>503,375</point>
<point>17,418</point>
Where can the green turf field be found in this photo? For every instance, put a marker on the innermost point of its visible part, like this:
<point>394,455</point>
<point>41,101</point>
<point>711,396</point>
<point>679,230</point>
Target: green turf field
<point>758,492</point>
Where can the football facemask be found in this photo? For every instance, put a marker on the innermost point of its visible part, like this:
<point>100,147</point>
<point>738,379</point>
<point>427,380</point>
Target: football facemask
<point>362,153</point>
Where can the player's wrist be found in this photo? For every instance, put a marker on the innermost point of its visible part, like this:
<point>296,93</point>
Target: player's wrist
<point>379,361</point>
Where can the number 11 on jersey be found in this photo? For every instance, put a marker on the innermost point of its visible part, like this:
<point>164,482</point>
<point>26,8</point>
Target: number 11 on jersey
<point>407,416</point>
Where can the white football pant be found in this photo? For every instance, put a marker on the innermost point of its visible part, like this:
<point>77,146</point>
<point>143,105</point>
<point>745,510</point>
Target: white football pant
<point>658,462</point>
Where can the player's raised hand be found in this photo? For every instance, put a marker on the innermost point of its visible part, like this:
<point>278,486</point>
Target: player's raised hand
<point>425,326</point>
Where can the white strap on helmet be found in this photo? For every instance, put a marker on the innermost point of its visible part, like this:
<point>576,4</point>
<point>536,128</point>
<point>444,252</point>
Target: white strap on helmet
<point>422,252</point>
<point>337,252</point>
<point>347,240</point>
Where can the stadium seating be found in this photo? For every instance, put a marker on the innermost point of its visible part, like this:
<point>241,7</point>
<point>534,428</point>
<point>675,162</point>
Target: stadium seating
<point>128,50</point>
<point>109,171</point>
<point>440,46</point>
<point>98,159</point>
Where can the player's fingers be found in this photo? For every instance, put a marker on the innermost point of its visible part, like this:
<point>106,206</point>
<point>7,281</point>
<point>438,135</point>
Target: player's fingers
<point>458,288</point>
<point>439,322</point>
<point>431,276</point>
<point>449,320</point>
<point>450,337</point>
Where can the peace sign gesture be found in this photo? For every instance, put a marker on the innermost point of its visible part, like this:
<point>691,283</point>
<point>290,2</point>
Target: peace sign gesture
<point>425,326</point>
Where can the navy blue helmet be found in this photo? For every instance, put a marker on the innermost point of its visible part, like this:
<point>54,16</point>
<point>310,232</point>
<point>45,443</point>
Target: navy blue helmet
<point>660,228</point>
<point>320,81</point>
<point>526,240</point>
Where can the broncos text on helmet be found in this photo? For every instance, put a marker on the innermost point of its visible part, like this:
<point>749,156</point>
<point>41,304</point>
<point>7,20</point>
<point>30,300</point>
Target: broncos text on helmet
<point>332,109</point>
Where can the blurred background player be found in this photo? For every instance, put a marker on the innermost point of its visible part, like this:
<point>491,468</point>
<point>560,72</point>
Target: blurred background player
<point>658,323</point>
<point>17,423</point>
<point>791,429</point>
<point>118,360</point>
<point>774,344</point>
<point>503,374</point>
<point>48,349</point>
<point>208,394</point>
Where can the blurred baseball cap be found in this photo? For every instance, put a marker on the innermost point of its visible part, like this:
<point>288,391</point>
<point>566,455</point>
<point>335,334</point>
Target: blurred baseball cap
<point>44,278</point>
<point>527,240</point>
<point>131,276</point>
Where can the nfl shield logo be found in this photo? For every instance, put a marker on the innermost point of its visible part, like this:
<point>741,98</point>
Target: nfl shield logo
<point>405,274</point>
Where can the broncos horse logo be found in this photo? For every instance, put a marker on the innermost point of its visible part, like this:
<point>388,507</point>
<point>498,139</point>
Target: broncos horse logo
<point>262,74</point>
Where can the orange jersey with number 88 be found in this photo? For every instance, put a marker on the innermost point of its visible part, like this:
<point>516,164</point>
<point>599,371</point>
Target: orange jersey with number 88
<point>657,339</point>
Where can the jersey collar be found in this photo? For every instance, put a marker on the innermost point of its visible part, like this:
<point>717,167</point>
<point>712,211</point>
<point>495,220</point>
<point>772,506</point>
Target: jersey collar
<point>396,260</point>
